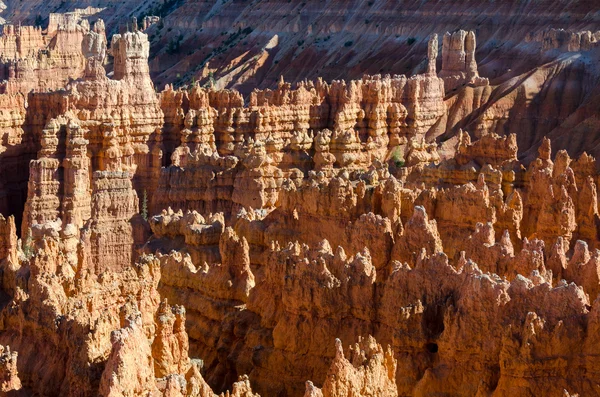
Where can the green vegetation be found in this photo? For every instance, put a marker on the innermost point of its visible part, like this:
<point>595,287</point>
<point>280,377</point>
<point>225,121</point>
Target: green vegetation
<point>232,40</point>
<point>174,45</point>
<point>39,21</point>
<point>211,80</point>
<point>144,211</point>
<point>396,158</point>
<point>28,250</point>
<point>161,10</point>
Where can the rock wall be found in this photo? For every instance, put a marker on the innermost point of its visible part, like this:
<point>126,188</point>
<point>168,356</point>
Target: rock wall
<point>34,60</point>
<point>408,258</point>
<point>16,150</point>
<point>192,240</point>
<point>566,40</point>
<point>9,376</point>
<point>287,133</point>
<point>458,60</point>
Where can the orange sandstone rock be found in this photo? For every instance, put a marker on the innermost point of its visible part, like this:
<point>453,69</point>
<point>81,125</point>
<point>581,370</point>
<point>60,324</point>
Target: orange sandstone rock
<point>9,378</point>
<point>369,372</point>
<point>283,225</point>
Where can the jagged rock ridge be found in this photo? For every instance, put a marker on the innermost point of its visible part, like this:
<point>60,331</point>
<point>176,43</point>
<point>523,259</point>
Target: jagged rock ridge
<point>186,241</point>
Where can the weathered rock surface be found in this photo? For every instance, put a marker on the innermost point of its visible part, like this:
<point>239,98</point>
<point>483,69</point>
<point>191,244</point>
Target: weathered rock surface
<point>245,46</point>
<point>195,241</point>
<point>369,372</point>
<point>458,62</point>
<point>9,377</point>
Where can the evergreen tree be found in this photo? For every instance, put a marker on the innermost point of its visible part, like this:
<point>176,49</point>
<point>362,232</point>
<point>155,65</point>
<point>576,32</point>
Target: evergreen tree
<point>145,206</point>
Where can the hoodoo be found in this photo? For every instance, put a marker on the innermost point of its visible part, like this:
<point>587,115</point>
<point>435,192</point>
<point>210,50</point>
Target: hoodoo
<point>208,199</point>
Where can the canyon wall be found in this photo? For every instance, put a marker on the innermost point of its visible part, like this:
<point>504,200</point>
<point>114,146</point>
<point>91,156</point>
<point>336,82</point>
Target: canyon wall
<point>528,53</point>
<point>42,61</point>
<point>403,259</point>
<point>287,133</point>
<point>244,46</point>
<point>196,241</point>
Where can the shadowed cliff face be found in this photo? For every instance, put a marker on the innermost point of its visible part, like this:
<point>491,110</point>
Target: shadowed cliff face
<point>332,40</point>
<point>250,44</point>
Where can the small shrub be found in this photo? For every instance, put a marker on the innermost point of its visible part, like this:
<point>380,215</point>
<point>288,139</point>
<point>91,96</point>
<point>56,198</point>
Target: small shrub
<point>28,250</point>
<point>348,43</point>
<point>411,41</point>
<point>211,80</point>
<point>396,158</point>
<point>174,45</point>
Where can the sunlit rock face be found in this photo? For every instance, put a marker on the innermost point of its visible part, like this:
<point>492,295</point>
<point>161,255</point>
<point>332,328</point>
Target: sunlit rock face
<point>434,233</point>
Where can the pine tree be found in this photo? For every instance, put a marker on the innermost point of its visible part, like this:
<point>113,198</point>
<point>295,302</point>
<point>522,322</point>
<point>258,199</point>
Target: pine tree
<point>38,21</point>
<point>145,206</point>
